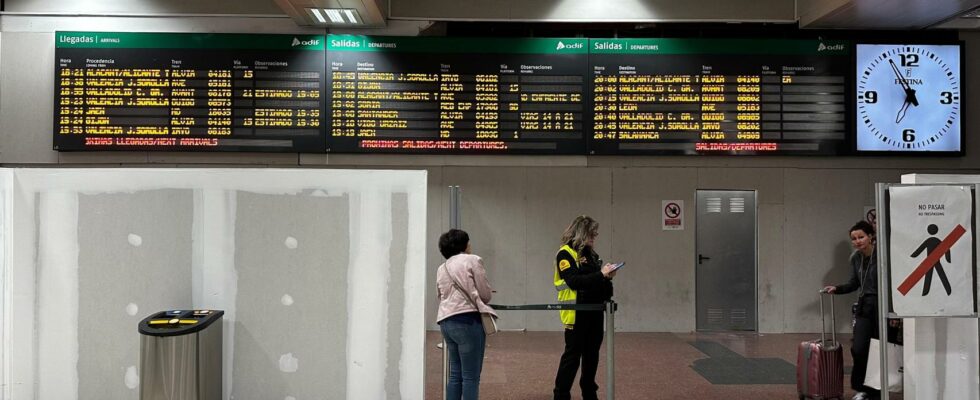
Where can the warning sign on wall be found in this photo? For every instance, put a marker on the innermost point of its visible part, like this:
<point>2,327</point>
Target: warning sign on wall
<point>931,250</point>
<point>871,216</point>
<point>673,214</point>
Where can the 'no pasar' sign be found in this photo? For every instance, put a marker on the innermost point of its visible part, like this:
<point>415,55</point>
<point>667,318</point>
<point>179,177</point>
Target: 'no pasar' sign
<point>931,250</point>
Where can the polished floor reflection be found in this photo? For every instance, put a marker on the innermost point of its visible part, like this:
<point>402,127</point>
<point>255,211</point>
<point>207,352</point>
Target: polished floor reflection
<point>649,366</point>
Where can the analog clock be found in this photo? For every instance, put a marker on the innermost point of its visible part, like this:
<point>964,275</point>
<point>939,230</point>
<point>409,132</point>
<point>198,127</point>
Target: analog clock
<point>908,98</point>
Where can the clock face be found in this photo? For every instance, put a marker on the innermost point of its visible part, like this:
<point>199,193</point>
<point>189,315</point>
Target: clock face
<point>908,98</point>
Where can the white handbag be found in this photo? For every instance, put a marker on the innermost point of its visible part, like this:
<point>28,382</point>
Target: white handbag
<point>895,366</point>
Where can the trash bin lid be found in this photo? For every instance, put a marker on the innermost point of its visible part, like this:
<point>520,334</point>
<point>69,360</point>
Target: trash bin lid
<point>178,322</point>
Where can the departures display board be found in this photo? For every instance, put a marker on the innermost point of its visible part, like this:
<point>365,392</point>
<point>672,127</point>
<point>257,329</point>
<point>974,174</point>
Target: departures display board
<point>183,92</point>
<point>701,96</point>
<point>455,95</point>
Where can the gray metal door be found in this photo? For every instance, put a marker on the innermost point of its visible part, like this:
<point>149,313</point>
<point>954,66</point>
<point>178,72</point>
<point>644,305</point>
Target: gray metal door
<point>726,260</point>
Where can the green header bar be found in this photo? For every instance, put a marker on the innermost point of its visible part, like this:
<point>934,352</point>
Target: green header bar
<point>358,43</point>
<point>395,44</point>
<point>126,40</point>
<point>719,46</point>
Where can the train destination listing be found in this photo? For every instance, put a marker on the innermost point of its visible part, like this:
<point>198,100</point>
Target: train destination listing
<point>694,96</point>
<point>448,95</point>
<point>144,91</point>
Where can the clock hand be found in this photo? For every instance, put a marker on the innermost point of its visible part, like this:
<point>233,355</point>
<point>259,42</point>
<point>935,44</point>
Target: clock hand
<point>909,92</point>
<point>898,76</point>
<point>910,97</point>
<point>901,113</point>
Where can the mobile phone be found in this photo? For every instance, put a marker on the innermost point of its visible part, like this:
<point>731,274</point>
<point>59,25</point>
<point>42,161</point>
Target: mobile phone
<point>618,266</point>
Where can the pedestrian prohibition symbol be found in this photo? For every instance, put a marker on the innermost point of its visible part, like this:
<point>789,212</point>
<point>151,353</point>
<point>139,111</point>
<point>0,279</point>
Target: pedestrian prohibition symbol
<point>931,260</point>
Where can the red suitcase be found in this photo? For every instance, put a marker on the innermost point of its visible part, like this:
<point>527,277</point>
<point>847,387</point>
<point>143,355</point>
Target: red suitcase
<point>820,363</point>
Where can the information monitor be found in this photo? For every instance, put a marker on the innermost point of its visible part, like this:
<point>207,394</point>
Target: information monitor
<point>718,96</point>
<point>185,92</point>
<point>456,95</point>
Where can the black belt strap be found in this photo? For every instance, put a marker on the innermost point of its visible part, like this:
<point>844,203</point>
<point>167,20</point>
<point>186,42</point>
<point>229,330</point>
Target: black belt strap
<point>579,307</point>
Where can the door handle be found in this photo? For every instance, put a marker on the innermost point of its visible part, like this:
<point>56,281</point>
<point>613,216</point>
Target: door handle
<point>702,258</point>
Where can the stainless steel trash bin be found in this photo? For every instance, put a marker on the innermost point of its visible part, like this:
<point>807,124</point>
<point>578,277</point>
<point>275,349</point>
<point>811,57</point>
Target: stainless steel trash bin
<point>180,355</point>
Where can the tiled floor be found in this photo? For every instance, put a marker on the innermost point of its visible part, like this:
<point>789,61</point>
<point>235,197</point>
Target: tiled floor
<point>649,366</point>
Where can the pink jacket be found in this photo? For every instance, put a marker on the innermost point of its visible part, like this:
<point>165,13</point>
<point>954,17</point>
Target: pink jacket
<point>468,271</point>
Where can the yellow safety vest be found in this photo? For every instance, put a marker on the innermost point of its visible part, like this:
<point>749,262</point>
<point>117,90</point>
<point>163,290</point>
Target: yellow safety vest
<point>565,294</point>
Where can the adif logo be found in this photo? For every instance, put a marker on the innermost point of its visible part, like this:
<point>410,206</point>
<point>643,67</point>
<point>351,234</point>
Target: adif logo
<point>836,47</point>
<point>562,46</point>
<point>311,42</point>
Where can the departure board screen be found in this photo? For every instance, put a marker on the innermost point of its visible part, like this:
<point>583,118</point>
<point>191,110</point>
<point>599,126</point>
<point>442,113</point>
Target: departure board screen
<point>700,96</point>
<point>456,95</point>
<point>186,92</point>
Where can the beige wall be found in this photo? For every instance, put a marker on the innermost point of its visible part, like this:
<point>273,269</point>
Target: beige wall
<point>515,215</point>
<point>516,206</point>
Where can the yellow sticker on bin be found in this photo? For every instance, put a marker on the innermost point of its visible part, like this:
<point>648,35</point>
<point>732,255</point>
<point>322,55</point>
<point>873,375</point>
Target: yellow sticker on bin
<point>159,321</point>
<point>188,321</point>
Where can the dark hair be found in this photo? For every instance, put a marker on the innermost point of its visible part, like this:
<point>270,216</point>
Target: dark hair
<point>453,242</point>
<point>863,226</point>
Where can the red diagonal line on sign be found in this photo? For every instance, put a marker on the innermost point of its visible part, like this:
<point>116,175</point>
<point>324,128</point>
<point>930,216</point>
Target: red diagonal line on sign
<point>931,260</point>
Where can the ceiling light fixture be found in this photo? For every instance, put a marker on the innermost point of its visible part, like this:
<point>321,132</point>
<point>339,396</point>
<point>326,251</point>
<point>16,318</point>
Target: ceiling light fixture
<point>318,15</point>
<point>973,14</point>
<point>334,16</point>
<point>351,15</point>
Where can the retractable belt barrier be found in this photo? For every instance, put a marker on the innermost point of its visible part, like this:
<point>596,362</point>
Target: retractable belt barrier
<point>578,307</point>
<point>609,307</point>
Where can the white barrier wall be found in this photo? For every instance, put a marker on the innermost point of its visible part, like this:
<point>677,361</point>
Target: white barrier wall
<point>320,273</point>
<point>6,291</point>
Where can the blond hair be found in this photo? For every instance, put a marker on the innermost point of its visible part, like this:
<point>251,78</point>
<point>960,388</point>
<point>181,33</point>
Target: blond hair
<point>579,232</point>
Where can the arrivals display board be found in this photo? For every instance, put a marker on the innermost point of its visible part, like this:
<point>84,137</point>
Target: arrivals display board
<point>185,92</point>
<point>711,96</point>
<point>456,95</point>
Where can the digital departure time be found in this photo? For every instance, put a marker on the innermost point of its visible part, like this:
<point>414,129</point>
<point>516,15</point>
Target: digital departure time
<point>908,98</point>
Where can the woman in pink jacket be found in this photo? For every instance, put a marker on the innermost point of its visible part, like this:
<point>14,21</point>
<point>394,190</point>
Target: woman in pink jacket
<point>463,294</point>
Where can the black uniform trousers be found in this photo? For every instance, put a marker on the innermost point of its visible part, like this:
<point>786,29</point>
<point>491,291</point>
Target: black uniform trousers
<point>582,343</point>
<point>865,328</point>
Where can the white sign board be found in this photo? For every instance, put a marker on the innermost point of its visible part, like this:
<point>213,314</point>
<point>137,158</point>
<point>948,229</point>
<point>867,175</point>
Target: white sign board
<point>931,250</point>
<point>672,213</point>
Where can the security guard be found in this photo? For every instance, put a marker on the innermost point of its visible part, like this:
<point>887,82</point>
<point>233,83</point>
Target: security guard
<point>581,278</point>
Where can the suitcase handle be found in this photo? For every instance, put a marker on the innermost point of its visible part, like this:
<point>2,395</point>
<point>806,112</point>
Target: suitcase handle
<point>823,322</point>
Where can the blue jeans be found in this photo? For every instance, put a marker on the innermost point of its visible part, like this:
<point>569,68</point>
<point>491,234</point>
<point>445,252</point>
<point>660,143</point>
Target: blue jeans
<point>465,342</point>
